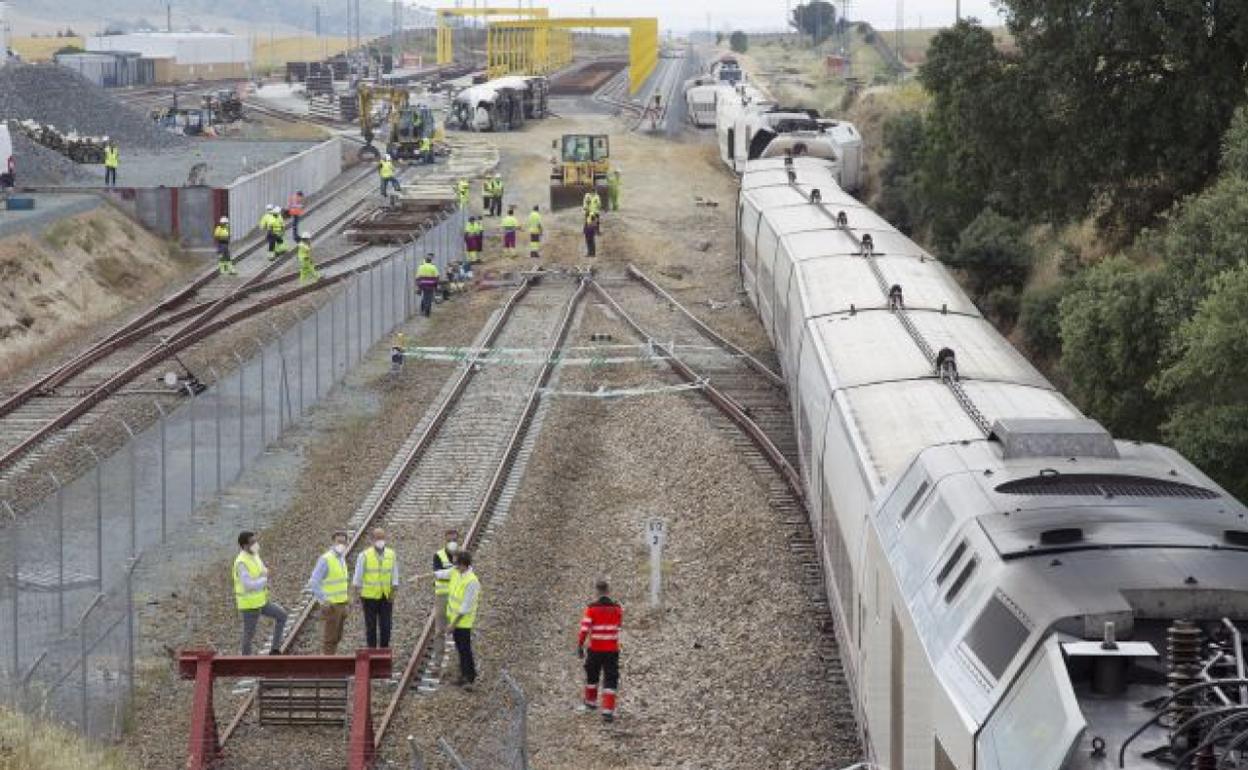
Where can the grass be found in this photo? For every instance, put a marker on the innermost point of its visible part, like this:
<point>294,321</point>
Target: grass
<point>42,48</point>
<point>28,744</point>
<point>915,42</point>
<point>59,235</point>
<point>273,55</point>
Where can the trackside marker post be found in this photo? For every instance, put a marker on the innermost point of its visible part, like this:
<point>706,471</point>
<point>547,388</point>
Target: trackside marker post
<point>656,536</point>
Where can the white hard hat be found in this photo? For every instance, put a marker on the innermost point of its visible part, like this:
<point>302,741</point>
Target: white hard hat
<point>387,156</point>
<point>225,220</point>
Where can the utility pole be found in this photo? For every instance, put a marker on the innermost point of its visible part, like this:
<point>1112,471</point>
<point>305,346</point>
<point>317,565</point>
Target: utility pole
<point>168,17</point>
<point>957,10</point>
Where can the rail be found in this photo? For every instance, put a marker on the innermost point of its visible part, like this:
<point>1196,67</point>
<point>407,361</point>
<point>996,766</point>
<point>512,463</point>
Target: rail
<point>733,411</point>
<point>136,329</point>
<point>400,477</point>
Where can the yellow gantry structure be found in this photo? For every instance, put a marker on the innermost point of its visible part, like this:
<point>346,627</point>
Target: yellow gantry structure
<point>539,46</point>
<point>446,34</point>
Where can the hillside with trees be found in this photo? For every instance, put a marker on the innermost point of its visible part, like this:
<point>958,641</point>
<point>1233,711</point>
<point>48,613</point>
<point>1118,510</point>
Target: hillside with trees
<point>1091,186</point>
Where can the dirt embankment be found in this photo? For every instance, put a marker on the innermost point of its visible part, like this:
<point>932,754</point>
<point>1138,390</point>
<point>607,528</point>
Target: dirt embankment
<point>59,282</point>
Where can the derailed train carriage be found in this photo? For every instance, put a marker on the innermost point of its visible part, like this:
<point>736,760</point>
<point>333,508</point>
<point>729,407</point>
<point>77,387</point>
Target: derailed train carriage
<point>1013,587</point>
<point>502,104</point>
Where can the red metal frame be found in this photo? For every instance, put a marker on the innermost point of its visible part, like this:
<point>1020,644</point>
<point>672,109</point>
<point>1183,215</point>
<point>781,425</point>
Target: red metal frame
<point>204,666</point>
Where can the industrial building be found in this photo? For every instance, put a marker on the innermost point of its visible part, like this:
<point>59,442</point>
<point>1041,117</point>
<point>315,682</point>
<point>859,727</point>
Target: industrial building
<point>182,56</point>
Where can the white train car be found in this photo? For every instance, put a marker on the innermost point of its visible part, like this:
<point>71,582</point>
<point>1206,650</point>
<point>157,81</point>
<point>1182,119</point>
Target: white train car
<point>1011,584</point>
<point>732,107</point>
<point>702,100</point>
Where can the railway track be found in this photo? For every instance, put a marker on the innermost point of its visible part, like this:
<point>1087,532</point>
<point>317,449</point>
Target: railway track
<point>53,405</point>
<point>482,428</point>
<point>747,399</point>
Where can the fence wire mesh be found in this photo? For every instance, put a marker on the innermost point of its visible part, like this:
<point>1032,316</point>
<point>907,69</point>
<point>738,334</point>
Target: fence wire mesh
<point>497,742</point>
<point>66,562</point>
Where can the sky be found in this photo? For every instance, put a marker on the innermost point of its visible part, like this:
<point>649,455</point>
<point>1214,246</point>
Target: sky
<point>764,14</point>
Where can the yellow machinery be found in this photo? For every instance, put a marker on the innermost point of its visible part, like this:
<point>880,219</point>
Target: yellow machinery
<point>540,46</point>
<point>404,124</point>
<point>582,163</point>
<point>446,34</point>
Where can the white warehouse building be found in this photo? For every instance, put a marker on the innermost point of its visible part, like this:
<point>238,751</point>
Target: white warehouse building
<point>183,56</point>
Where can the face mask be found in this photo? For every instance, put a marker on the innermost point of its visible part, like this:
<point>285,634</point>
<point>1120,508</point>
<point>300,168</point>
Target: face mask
<point>452,546</point>
<point>380,545</point>
<point>340,548</point>
<point>254,548</point>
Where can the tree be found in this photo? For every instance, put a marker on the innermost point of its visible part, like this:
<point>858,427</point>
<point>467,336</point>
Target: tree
<point>816,18</point>
<point>994,253</point>
<point>1210,422</point>
<point>899,200</point>
<point>67,49</point>
<point>739,42</point>
<point>1040,320</point>
<point>1111,343</point>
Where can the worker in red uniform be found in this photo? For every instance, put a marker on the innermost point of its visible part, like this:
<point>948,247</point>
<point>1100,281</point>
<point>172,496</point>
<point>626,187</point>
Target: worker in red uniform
<point>600,626</point>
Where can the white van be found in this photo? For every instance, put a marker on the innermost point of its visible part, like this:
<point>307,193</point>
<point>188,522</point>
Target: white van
<point>8,173</point>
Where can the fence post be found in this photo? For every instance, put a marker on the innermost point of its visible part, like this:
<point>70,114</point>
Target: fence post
<point>17,591</point>
<point>242,416</point>
<point>132,452</point>
<point>316,352</point>
<point>359,319</point>
<point>264,403</point>
<point>302,322</point>
<point>191,409</point>
<point>164,476</point>
<point>82,661</point>
<point>99,515</point>
<point>333,338</point>
<point>60,554</point>
<point>372,303</point>
<point>134,562</point>
<point>418,761</point>
<point>522,721</point>
<point>346,328</point>
<point>450,754</point>
<point>216,418</point>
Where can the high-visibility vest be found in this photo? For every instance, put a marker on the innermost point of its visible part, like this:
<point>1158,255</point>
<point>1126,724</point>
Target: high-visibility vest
<point>592,203</point>
<point>461,188</point>
<point>304,252</point>
<point>277,224</point>
<point>387,170</point>
<point>243,598</point>
<point>265,220</point>
<point>498,188</point>
<point>442,586</point>
<point>510,223</point>
<point>377,582</point>
<point>110,157</point>
<point>294,204</point>
<point>425,144</point>
<point>221,234</point>
<point>334,584</point>
<point>535,222</point>
<point>455,599</point>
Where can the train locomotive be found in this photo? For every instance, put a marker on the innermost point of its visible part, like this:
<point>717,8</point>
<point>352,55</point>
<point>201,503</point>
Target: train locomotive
<point>1013,587</point>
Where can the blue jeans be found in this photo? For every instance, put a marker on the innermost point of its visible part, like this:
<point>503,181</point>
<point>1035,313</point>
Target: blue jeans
<point>385,184</point>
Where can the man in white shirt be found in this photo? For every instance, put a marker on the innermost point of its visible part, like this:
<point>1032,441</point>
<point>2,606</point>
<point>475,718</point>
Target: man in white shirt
<point>462,604</point>
<point>329,585</point>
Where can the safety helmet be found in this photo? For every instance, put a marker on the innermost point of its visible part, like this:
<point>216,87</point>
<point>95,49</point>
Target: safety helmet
<point>387,157</point>
<point>305,238</point>
<point>224,220</point>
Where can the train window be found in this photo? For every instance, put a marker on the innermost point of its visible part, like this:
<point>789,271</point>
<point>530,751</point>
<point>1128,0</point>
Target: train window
<point>961,579</point>
<point>953,560</point>
<point>996,636</point>
<point>914,501</point>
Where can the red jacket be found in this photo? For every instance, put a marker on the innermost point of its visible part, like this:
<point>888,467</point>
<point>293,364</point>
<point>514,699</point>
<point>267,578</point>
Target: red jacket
<point>601,623</point>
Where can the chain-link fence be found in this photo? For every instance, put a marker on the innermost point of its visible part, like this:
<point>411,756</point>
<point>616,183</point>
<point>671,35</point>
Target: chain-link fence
<point>500,744</point>
<point>65,562</point>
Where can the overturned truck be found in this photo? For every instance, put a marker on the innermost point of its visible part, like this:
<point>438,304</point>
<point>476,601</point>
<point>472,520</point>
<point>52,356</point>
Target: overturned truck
<point>500,105</point>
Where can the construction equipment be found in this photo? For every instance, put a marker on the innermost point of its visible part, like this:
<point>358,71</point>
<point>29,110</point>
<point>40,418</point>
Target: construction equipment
<point>223,106</point>
<point>582,164</point>
<point>75,146</point>
<point>400,125</point>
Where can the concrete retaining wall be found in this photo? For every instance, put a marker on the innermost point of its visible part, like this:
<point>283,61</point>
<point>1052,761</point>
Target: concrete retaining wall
<point>308,171</point>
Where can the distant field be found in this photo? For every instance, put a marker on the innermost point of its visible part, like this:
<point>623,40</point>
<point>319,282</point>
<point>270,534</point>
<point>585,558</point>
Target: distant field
<point>284,49</point>
<point>914,42</point>
<point>41,48</point>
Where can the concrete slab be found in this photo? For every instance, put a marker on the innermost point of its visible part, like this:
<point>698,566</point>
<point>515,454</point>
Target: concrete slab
<point>226,160</point>
<point>49,207</point>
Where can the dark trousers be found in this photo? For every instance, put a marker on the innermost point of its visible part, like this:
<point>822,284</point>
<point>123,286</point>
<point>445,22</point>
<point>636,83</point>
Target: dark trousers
<point>426,300</point>
<point>496,206</point>
<point>294,225</point>
<point>390,182</point>
<point>110,177</point>
<point>377,615</point>
<point>590,235</point>
<point>463,645</point>
<point>271,239</point>
<point>605,665</point>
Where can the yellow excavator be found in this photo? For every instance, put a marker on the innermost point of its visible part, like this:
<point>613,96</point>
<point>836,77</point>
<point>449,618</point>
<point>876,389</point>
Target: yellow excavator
<point>581,162</point>
<point>401,127</point>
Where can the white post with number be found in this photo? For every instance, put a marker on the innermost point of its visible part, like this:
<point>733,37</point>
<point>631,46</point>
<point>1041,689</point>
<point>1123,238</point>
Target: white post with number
<point>656,536</point>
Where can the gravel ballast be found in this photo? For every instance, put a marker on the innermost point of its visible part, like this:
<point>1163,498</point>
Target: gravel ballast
<point>53,94</point>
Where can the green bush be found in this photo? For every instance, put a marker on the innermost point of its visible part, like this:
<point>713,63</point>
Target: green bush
<point>739,41</point>
<point>1039,319</point>
<point>1001,305</point>
<point>993,252</point>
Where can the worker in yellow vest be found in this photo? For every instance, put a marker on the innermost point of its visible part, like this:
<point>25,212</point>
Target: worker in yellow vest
<point>487,195</point>
<point>461,193</point>
<point>426,150</point>
<point>443,560</point>
<point>510,226</point>
<point>376,580</point>
<point>535,233</point>
<point>472,248</point>
<point>613,191</point>
<point>221,236</point>
<point>499,189</point>
<point>427,283</point>
<point>251,593</point>
<point>463,599</point>
<point>386,170</point>
<point>307,268</point>
<point>277,229</point>
<point>329,585</point>
<point>111,161</point>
